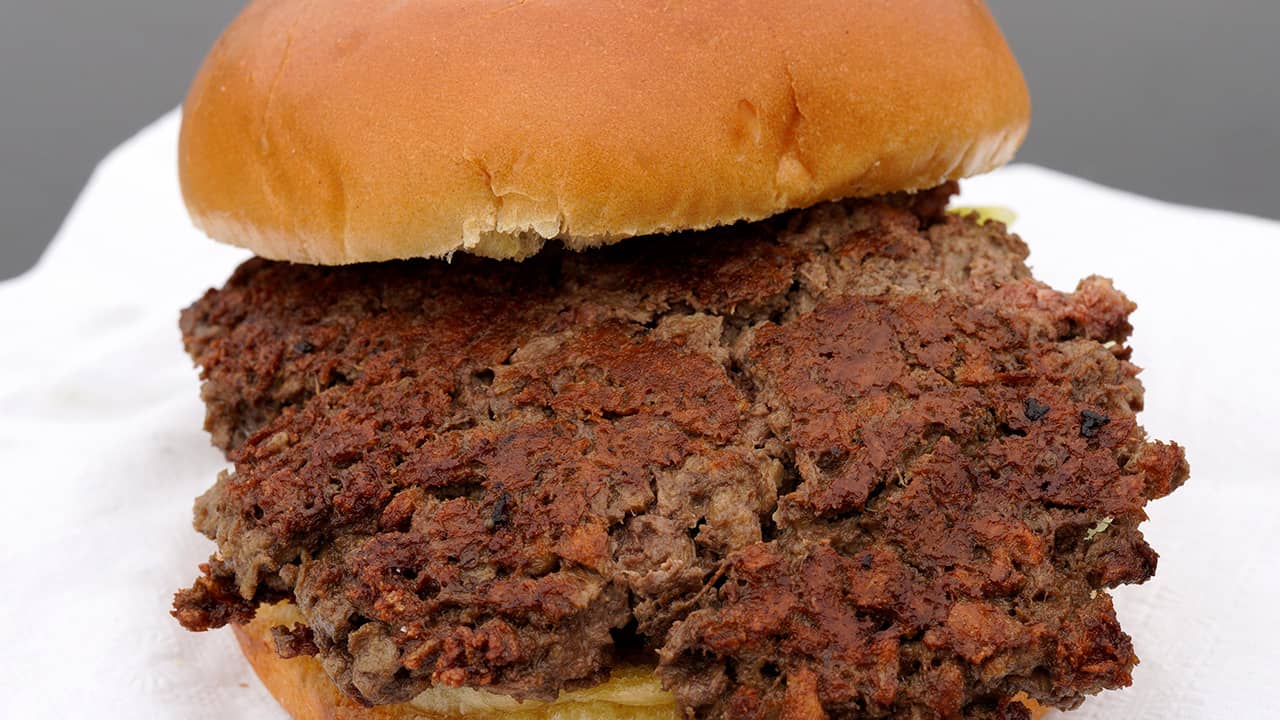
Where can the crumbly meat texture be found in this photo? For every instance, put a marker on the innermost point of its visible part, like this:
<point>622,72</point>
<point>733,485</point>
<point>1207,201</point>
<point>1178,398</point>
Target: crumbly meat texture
<point>851,461</point>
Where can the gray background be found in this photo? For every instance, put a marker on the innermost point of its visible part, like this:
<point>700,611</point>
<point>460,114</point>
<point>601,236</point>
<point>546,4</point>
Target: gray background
<point>1179,99</point>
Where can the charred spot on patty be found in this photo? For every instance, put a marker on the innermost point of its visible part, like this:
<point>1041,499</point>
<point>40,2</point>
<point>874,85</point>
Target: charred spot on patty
<point>1034,409</point>
<point>1091,422</point>
<point>739,452</point>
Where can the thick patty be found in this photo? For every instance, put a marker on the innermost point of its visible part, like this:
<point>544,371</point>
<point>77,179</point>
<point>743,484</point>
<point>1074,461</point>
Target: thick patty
<point>851,460</point>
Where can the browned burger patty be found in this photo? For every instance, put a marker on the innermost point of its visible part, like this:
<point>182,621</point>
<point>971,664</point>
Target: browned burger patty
<point>853,458</point>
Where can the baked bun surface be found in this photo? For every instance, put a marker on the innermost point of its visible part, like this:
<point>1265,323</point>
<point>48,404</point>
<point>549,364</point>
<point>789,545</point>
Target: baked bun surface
<point>334,132</point>
<point>306,693</point>
<point>302,688</point>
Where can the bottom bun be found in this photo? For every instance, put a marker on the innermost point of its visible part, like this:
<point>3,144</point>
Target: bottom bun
<point>307,693</point>
<point>301,686</point>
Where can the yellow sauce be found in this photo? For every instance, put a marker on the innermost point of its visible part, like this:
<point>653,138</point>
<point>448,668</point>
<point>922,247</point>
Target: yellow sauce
<point>632,693</point>
<point>987,213</point>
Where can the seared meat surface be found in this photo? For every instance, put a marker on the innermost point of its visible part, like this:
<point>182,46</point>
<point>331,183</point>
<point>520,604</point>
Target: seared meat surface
<point>853,460</point>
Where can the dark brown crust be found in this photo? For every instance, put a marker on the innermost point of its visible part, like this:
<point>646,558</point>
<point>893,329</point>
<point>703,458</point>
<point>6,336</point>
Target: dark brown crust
<point>213,602</point>
<point>751,451</point>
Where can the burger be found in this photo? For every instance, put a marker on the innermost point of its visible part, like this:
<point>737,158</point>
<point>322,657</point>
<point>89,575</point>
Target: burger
<point>625,360</point>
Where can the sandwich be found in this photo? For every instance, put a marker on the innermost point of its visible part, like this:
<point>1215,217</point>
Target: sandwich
<point>628,360</point>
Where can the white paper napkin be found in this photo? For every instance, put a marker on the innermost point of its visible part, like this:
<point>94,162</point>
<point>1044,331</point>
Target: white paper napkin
<point>102,452</point>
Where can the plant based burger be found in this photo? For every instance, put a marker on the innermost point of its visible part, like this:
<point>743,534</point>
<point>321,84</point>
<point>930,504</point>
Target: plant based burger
<point>610,360</point>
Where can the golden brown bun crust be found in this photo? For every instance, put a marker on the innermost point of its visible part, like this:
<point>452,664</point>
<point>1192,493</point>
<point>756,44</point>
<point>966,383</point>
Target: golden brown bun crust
<point>306,693</point>
<point>335,132</point>
<point>300,685</point>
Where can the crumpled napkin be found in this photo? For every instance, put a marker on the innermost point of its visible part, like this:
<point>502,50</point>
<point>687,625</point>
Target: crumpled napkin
<point>102,451</point>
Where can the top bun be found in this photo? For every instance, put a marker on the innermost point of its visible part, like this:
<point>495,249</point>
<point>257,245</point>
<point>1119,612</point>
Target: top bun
<point>332,132</point>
